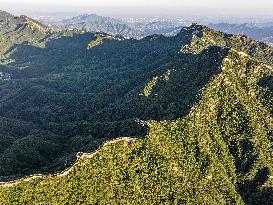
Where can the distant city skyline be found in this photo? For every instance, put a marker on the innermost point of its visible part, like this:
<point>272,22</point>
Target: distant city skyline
<point>144,7</point>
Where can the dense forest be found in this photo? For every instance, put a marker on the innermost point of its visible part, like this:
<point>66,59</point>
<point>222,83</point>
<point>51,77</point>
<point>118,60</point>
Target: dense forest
<point>198,107</point>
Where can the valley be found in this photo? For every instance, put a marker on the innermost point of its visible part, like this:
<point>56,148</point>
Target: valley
<point>184,119</point>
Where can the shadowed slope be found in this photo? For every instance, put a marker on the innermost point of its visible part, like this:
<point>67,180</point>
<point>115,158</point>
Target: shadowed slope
<point>217,154</point>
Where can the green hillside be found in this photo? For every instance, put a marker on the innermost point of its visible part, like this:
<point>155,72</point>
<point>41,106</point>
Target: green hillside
<point>219,154</point>
<point>197,106</point>
<point>95,23</point>
<point>73,98</point>
<point>18,30</point>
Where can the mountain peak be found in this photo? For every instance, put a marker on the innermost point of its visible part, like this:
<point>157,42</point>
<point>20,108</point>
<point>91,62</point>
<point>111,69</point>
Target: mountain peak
<point>154,37</point>
<point>201,120</point>
<point>35,25</point>
<point>84,17</point>
<point>96,23</point>
<point>201,37</point>
<point>194,27</point>
<point>5,14</point>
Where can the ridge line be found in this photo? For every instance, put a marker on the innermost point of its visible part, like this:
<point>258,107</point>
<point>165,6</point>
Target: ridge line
<point>80,156</point>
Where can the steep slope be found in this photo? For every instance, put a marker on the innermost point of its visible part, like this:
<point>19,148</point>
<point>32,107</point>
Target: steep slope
<point>18,30</point>
<point>74,103</point>
<point>209,92</point>
<point>221,153</point>
<point>204,37</point>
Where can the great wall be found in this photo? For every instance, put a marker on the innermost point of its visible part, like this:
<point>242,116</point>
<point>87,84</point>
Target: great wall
<point>80,156</point>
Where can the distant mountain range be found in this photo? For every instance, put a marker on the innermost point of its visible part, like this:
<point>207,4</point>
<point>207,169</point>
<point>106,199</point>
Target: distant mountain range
<point>95,23</point>
<point>261,33</point>
<point>137,30</point>
<point>166,27</point>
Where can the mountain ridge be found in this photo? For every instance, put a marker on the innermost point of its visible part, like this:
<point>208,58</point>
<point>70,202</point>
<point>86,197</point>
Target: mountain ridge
<point>95,23</point>
<point>263,33</point>
<point>208,145</point>
<point>200,106</point>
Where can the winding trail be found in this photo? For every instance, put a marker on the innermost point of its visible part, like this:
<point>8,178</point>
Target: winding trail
<point>80,156</point>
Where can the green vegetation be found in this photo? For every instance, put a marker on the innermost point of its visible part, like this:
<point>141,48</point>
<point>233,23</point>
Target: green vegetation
<point>99,39</point>
<point>95,23</point>
<point>202,128</point>
<point>73,99</point>
<point>17,30</point>
<point>149,87</point>
<point>213,156</point>
<point>204,37</point>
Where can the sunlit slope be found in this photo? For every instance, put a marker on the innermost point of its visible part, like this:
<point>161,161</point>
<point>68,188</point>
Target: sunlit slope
<point>221,153</point>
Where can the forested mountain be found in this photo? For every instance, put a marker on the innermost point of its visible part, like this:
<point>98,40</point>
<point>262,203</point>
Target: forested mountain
<point>95,23</point>
<point>18,31</point>
<point>197,108</point>
<point>261,33</point>
<point>125,27</point>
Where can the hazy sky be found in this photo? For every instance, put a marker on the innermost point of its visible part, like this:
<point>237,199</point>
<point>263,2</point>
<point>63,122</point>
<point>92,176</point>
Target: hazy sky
<point>144,7</point>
